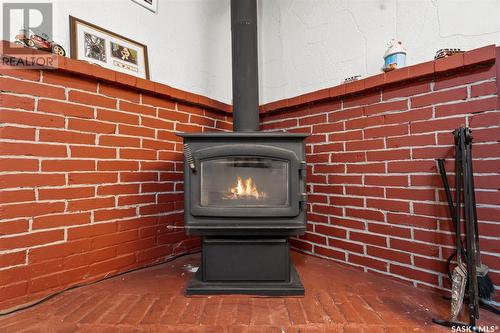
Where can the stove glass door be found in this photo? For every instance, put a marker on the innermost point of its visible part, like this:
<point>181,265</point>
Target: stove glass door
<point>244,181</point>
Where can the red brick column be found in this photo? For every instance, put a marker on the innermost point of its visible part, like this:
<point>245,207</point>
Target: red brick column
<point>376,199</point>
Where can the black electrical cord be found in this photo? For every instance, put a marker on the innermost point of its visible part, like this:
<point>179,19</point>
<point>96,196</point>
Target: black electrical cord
<point>46,298</point>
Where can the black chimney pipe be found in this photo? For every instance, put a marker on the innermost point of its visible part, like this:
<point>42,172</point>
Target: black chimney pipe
<point>245,70</point>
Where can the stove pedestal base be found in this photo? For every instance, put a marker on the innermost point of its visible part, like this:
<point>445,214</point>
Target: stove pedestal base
<point>293,287</point>
<point>246,265</point>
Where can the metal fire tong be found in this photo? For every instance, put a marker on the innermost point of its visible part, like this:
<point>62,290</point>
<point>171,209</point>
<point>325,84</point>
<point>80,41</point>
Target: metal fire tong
<point>464,273</point>
<point>470,231</point>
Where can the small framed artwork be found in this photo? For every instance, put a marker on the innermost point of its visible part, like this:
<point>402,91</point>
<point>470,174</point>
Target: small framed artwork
<point>152,5</point>
<point>107,49</point>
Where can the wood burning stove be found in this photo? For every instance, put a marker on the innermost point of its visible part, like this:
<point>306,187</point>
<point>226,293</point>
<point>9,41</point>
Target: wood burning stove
<point>250,183</point>
<point>244,192</point>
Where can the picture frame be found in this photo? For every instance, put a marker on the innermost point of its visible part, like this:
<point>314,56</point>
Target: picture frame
<point>151,5</point>
<point>97,45</point>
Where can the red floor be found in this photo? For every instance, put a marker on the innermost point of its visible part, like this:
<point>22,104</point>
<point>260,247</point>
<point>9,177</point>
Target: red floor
<point>338,299</point>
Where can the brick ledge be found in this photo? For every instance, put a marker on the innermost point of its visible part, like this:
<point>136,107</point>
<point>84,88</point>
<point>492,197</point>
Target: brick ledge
<point>486,54</point>
<point>432,68</point>
<point>83,68</point>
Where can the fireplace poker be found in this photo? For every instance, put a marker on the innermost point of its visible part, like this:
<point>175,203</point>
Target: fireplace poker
<point>486,288</point>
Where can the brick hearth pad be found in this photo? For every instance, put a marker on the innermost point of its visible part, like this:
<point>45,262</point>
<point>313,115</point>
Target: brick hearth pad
<point>338,299</point>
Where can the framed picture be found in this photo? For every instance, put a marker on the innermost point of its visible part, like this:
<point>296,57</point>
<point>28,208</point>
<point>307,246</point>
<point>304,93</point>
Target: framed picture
<point>152,5</point>
<point>107,49</point>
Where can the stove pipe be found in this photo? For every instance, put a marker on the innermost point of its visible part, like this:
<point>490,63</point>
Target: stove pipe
<point>245,70</point>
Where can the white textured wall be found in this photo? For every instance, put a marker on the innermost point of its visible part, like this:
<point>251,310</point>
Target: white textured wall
<point>189,41</point>
<point>307,45</point>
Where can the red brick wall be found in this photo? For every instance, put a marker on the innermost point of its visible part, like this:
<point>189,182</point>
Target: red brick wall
<point>90,177</point>
<point>375,196</point>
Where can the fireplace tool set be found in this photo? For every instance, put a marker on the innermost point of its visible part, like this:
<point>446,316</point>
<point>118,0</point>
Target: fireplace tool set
<point>469,278</point>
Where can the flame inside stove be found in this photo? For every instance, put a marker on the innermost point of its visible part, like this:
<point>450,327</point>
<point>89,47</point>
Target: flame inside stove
<point>245,189</point>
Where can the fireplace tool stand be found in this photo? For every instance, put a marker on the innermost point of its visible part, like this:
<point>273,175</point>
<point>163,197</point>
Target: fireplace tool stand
<point>469,268</point>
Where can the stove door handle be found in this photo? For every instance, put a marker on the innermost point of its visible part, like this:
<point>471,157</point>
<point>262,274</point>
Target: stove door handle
<point>303,201</point>
<point>303,169</point>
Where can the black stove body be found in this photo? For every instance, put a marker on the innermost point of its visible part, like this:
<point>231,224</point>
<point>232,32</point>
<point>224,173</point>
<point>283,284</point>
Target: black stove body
<point>244,184</point>
<point>244,192</point>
